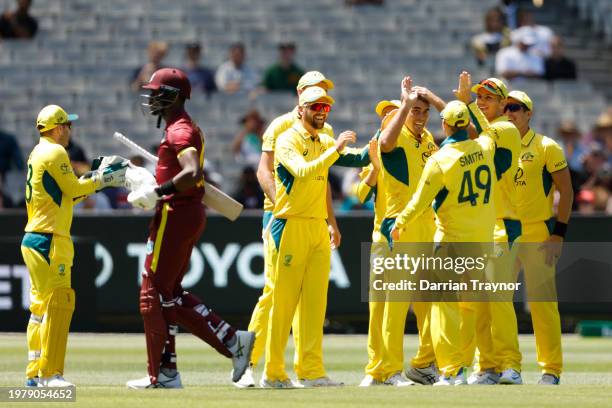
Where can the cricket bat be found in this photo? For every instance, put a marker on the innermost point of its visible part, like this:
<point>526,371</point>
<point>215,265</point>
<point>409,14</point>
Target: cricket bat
<point>213,197</point>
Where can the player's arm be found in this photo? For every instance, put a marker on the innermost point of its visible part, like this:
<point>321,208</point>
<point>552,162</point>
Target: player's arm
<point>464,94</point>
<point>334,232</point>
<point>438,103</point>
<point>291,158</point>
<point>430,184</point>
<point>353,157</point>
<point>61,171</point>
<point>556,164</point>
<point>265,175</point>
<point>393,126</point>
<point>369,175</point>
<point>191,172</point>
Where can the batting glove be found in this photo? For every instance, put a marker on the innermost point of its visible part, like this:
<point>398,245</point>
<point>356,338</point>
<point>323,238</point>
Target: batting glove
<point>145,197</point>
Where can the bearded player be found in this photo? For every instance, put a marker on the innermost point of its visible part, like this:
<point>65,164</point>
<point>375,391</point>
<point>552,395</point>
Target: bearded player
<point>177,225</point>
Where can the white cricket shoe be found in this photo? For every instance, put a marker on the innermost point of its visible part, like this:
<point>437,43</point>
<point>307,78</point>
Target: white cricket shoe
<point>444,381</point>
<point>487,377</point>
<point>56,381</point>
<point>369,381</point>
<point>398,380</point>
<point>549,379</point>
<point>278,384</point>
<point>426,376</point>
<point>241,353</point>
<point>510,376</point>
<point>163,381</point>
<point>319,382</point>
<point>247,380</point>
<point>461,377</point>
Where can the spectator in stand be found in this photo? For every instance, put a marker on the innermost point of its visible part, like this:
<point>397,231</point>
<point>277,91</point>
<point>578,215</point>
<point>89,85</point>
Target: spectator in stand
<point>157,51</point>
<point>249,193</point>
<point>542,35</point>
<point>234,75</point>
<point>11,157</point>
<point>247,142</point>
<point>78,158</point>
<point>364,2</point>
<point>571,140</point>
<point>603,132</point>
<point>557,65</point>
<point>595,166</point>
<point>201,77</point>
<point>18,24</point>
<point>517,61</point>
<point>510,9</point>
<point>285,74</point>
<point>496,35</point>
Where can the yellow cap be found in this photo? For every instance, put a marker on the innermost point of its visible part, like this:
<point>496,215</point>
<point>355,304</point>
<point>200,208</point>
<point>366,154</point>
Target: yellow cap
<point>456,114</point>
<point>384,104</point>
<point>522,97</point>
<point>51,116</point>
<point>315,94</point>
<point>312,78</point>
<point>492,85</point>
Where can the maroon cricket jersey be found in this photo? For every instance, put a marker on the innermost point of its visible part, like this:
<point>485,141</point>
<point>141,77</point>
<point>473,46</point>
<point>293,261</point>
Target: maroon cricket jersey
<point>181,133</point>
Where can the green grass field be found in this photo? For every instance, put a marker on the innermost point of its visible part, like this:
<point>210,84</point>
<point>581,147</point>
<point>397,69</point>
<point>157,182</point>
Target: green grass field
<point>100,364</point>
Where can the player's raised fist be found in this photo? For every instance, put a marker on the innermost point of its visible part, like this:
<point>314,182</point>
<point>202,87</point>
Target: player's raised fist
<point>406,88</point>
<point>346,137</point>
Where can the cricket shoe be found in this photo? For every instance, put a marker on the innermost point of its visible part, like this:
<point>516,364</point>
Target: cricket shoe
<point>487,377</point>
<point>444,381</point>
<point>163,381</point>
<point>510,376</point>
<point>55,381</point>
<point>319,382</point>
<point>549,379</point>
<point>398,380</point>
<point>461,377</point>
<point>426,376</point>
<point>369,381</point>
<point>247,380</point>
<point>32,382</point>
<point>278,384</point>
<point>241,353</point>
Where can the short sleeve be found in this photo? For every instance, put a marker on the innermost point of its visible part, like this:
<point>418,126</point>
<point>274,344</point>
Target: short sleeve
<point>183,137</point>
<point>555,158</point>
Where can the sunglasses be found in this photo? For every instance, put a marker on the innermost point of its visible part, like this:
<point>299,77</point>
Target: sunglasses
<point>514,107</point>
<point>490,86</point>
<point>320,107</point>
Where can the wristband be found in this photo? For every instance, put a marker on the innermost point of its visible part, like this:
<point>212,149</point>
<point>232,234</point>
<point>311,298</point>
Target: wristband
<point>166,189</point>
<point>560,228</point>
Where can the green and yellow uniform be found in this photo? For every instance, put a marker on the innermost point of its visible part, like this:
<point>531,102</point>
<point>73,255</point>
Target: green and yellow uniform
<point>400,173</point>
<point>459,179</point>
<point>540,157</point>
<point>51,188</point>
<point>299,248</point>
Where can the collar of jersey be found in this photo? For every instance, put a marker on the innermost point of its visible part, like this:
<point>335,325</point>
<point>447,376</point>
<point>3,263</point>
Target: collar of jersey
<point>182,115</point>
<point>47,139</point>
<point>526,140</point>
<point>459,136</point>
<point>298,127</point>
<point>502,118</point>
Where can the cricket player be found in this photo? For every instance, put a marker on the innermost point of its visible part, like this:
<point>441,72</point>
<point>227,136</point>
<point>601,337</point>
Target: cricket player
<point>492,325</point>
<point>47,249</point>
<point>265,175</point>
<point>542,169</point>
<point>458,179</point>
<point>176,227</point>
<point>299,240</point>
<point>405,145</point>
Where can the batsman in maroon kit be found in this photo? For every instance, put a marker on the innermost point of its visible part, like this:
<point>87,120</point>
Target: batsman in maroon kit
<point>179,221</point>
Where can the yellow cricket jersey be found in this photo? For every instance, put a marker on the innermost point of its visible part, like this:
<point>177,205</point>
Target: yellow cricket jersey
<point>401,171</point>
<point>301,163</point>
<point>540,156</point>
<point>459,179</point>
<point>274,130</point>
<point>507,150</point>
<point>365,192</point>
<point>51,187</point>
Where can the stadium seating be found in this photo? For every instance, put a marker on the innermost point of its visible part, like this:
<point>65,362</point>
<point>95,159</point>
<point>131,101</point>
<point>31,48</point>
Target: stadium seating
<point>86,51</point>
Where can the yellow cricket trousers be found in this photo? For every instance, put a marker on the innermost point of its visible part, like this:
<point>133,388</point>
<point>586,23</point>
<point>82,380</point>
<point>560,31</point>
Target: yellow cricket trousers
<point>300,260</point>
<point>544,315</point>
<point>48,258</point>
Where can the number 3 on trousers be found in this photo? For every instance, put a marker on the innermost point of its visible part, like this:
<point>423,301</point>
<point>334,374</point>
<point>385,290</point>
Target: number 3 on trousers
<point>467,193</point>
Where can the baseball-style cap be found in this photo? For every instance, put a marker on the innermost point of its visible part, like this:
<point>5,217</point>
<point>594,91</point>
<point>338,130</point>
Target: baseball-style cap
<point>315,94</point>
<point>51,116</point>
<point>492,85</point>
<point>313,78</point>
<point>522,97</point>
<point>170,77</point>
<point>456,114</point>
<point>384,104</point>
